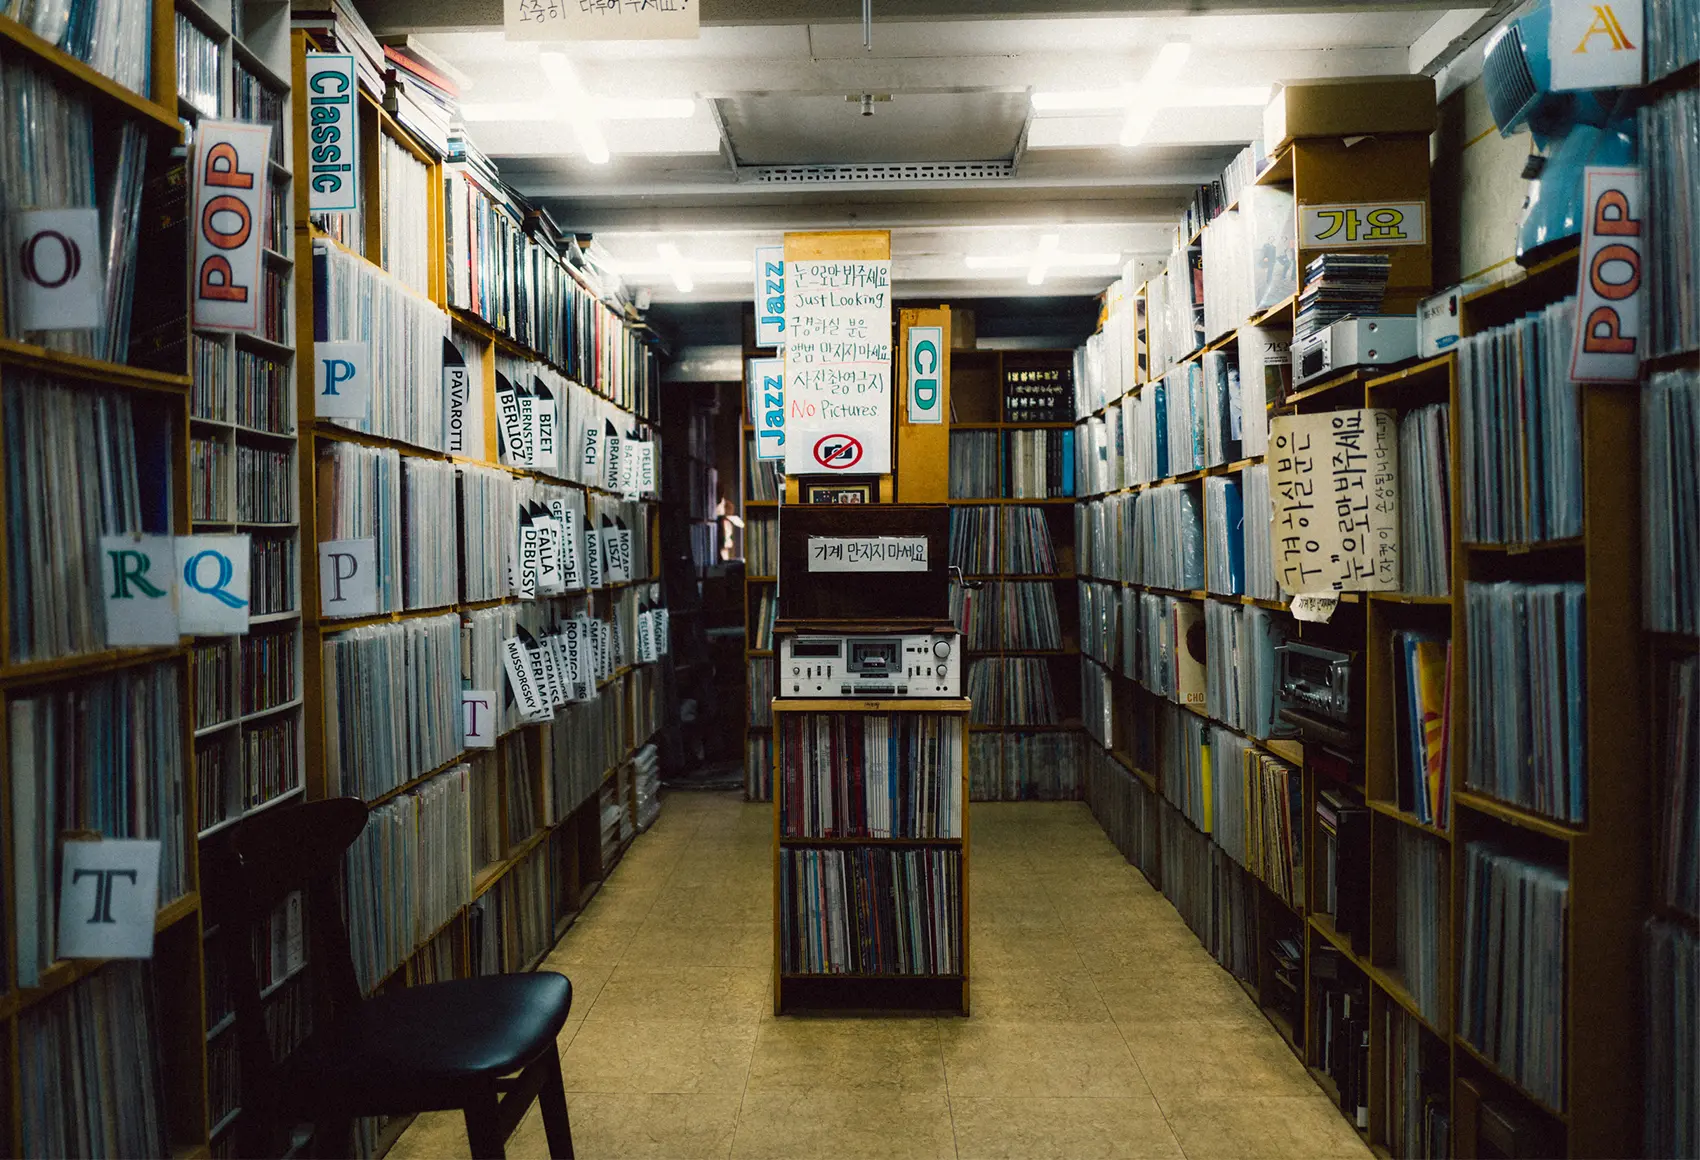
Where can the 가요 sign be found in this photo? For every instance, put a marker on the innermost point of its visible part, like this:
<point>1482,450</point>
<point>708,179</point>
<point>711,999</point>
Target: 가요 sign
<point>838,366</point>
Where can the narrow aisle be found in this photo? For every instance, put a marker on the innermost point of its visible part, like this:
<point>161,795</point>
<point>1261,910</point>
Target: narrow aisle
<point>1100,1029</point>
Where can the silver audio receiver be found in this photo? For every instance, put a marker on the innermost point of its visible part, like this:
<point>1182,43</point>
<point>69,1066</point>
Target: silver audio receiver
<point>873,665</point>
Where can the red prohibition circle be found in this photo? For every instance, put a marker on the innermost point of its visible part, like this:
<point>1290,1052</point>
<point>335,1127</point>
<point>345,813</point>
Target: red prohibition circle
<point>838,452</point>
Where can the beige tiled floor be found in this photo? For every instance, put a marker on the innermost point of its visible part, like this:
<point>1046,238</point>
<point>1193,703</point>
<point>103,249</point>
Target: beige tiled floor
<point>1101,1029</point>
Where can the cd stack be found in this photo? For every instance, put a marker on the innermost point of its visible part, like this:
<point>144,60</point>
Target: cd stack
<point>762,482</point>
<point>1340,286</point>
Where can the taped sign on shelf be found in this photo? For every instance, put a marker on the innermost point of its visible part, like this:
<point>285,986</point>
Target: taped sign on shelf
<point>1608,295</point>
<point>333,133</point>
<point>1365,224</point>
<point>57,281</point>
<point>838,366</point>
<point>1334,483</point>
<point>230,207</point>
<point>770,296</point>
<point>767,397</point>
<point>1595,46</point>
<point>926,369</point>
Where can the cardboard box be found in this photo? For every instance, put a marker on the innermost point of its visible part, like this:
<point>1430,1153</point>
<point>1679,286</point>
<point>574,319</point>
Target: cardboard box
<point>1348,106</point>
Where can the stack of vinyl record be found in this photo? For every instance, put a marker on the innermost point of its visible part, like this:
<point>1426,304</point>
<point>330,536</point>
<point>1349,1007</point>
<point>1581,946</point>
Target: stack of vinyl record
<point>1340,286</point>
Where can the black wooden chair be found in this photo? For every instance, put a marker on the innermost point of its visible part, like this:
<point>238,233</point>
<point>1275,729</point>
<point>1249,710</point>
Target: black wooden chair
<point>433,1047</point>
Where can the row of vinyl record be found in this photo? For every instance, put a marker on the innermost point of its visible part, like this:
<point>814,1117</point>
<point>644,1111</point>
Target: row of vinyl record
<point>1214,896</point>
<point>870,775</point>
<point>444,532</point>
<point>531,291</point>
<point>236,773</point>
<point>761,545</point>
<point>59,155</point>
<point>1670,479</point>
<point>108,756</point>
<point>1522,480</point>
<point>1029,464</point>
<point>1512,981</point>
<point>1008,539</point>
<point>1670,135</point>
<point>510,926</point>
<point>1013,691</point>
<point>408,873</point>
<point>1126,809</point>
<point>871,910</point>
<point>1672,992</point>
<point>1677,878</point>
<point>546,421</point>
<point>1009,767</point>
<point>1009,614</point>
<point>764,481</point>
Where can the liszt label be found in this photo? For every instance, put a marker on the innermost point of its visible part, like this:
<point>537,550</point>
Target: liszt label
<point>333,109</point>
<point>230,188</point>
<point>867,553</point>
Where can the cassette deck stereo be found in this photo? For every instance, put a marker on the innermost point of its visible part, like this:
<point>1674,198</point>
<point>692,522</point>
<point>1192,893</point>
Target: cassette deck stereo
<point>817,664</point>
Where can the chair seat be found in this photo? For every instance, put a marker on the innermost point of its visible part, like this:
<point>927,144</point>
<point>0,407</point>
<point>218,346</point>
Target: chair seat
<point>428,1046</point>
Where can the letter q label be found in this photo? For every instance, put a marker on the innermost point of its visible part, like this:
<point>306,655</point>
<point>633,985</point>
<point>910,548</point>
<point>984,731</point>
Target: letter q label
<point>342,380</point>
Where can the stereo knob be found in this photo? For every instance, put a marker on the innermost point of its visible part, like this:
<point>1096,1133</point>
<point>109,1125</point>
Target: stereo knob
<point>795,669</point>
<point>941,649</point>
<point>939,671</point>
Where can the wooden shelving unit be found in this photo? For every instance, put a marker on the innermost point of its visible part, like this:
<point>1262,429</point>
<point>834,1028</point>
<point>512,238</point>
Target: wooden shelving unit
<point>977,402</point>
<point>795,991</point>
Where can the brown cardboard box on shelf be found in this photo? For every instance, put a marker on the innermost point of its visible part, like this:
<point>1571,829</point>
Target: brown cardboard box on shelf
<point>961,329</point>
<point>1346,106</point>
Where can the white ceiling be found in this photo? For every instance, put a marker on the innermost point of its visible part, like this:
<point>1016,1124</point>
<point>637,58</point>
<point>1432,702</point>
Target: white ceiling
<point>771,90</point>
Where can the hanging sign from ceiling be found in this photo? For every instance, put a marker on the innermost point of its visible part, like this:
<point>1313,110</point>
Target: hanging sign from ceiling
<point>600,19</point>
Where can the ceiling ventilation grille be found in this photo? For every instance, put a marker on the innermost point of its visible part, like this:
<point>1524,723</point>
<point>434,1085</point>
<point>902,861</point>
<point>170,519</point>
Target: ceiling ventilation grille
<point>925,171</point>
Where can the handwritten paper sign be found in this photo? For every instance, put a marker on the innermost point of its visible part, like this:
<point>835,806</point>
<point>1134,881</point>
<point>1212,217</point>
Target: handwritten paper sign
<point>1370,223</point>
<point>767,406</point>
<point>838,367</point>
<point>230,209</point>
<point>770,296</point>
<point>108,895</point>
<point>867,553</point>
<point>600,19</point>
<point>1608,297</point>
<point>1334,480</point>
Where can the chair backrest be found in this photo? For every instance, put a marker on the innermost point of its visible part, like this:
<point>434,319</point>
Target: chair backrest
<point>262,861</point>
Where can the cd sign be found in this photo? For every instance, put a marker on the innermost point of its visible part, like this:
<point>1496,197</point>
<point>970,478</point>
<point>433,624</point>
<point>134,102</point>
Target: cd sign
<point>838,452</point>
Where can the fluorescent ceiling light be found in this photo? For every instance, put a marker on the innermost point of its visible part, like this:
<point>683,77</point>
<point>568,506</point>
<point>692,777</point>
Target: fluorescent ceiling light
<point>1042,258</point>
<point>645,108</point>
<point>1164,71</point>
<point>606,109</point>
<point>577,105</point>
<point>1048,255</point>
<point>675,263</point>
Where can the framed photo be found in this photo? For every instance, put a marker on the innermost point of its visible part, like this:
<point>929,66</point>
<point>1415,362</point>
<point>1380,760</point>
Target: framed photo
<point>842,491</point>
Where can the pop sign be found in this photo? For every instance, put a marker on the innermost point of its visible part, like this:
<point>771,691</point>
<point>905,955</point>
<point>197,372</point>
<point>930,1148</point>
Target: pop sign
<point>1608,297</point>
<point>230,197</point>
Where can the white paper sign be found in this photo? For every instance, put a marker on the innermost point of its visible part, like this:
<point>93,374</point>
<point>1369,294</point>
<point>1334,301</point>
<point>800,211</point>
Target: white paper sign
<point>1334,482</point>
<point>1595,45</point>
<point>593,555</point>
<point>1368,223</point>
<point>342,380</point>
<point>663,631</point>
<point>545,429</point>
<point>478,717</point>
<point>646,468</point>
<point>867,553</point>
<point>600,19</point>
<point>1608,295</point>
<point>925,356</point>
<point>838,367</point>
<point>108,896</point>
<point>646,637</point>
<point>512,426</point>
<point>213,599</point>
<point>770,296</point>
<point>138,584</point>
<point>767,403</point>
<point>333,124</point>
<point>230,212</point>
<point>58,281</point>
<point>1314,607</point>
<point>348,577</point>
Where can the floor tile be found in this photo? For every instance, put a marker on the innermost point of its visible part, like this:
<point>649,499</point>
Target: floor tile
<point>849,1054</point>
<point>656,1057</point>
<point>702,944</point>
<point>844,1125</point>
<point>1029,995</point>
<point>720,994</point>
<point>985,1058</point>
<point>1225,1059</point>
<point>1306,1127</point>
<point>1051,1128</point>
<point>652,1127</point>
